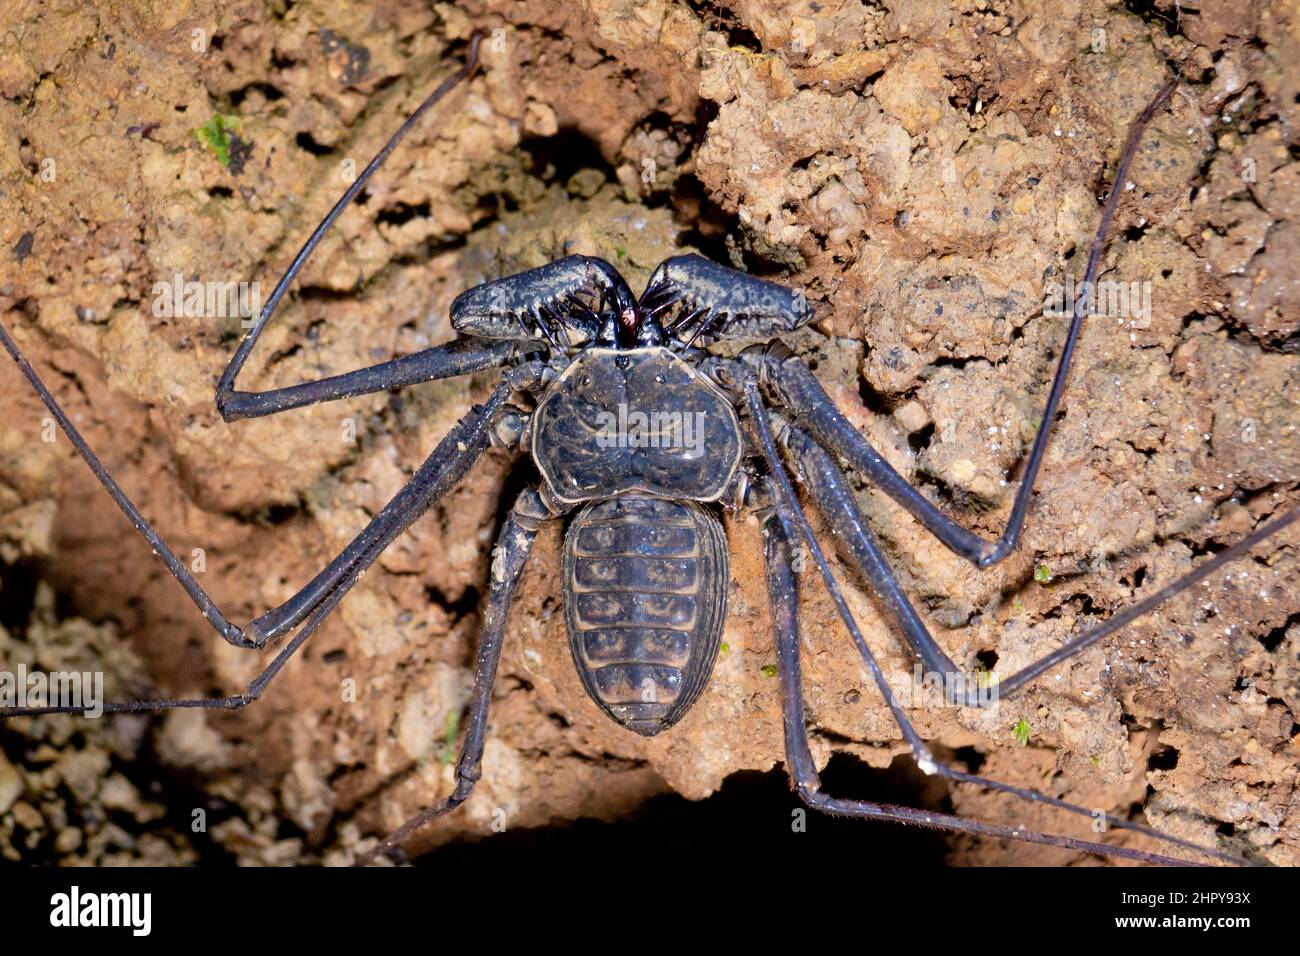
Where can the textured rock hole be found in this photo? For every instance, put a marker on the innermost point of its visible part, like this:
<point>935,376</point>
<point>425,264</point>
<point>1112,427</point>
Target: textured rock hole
<point>1273,639</point>
<point>307,142</point>
<point>1150,11</point>
<point>872,399</point>
<point>18,595</point>
<point>1166,758</point>
<point>920,440</point>
<point>268,90</point>
<point>556,158</point>
<point>703,223</point>
<point>401,213</point>
<point>458,607</point>
<point>722,17</point>
<point>971,757</point>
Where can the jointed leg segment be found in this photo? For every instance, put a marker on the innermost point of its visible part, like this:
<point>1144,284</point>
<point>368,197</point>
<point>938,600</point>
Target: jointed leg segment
<point>441,471</point>
<point>799,760</point>
<point>829,489</point>
<point>444,468</point>
<point>508,560</point>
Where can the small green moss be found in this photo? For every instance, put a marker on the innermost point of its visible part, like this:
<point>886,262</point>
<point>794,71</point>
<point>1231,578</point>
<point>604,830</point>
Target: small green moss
<point>1095,760</point>
<point>620,251</point>
<point>769,670</point>
<point>985,678</point>
<point>1021,730</point>
<point>215,135</point>
<point>1042,574</point>
<point>725,648</point>
<point>449,739</point>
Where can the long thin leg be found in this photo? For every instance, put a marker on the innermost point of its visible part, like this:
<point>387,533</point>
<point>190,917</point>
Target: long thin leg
<point>450,460</point>
<point>246,404</point>
<point>231,702</point>
<point>445,466</point>
<point>816,469</point>
<point>508,560</point>
<point>799,760</point>
<point>796,526</point>
<point>814,409</point>
<point>175,566</point>
<point>460,357</point>
<point>366,551</point>
<point>830,490</point>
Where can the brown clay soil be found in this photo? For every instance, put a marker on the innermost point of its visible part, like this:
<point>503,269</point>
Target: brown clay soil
<point>923,169</point>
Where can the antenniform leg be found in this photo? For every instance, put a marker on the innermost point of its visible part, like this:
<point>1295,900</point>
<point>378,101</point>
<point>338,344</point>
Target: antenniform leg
<point>508,560</point>
<point>433,363</point>
<point>830,490</point>
<point>800,392</point>
<point>444,467</point>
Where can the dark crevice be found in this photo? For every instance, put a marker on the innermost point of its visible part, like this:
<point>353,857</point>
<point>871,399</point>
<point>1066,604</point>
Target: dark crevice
<point>1273,639</point>
<point>721,17</point>
<point>956,361</point>
<point>1163,758</point>
<point>1150,12</point>
<point>456,608</point>
<point>307,142</point>
<point>273,516</point>
<point>401,213</point>
<point>556,158</point>
<point>873,400</point>
<point>18,595</point>
<point>268,90</point>
<point>702,223</point>
<point>972,758</point>
<point>750,811</point>
<point>920,440</point>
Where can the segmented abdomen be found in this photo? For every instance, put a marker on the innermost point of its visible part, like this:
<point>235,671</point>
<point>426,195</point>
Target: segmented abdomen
<point>646,598</point>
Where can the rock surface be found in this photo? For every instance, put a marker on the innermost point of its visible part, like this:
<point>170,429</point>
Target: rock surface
<point>925,171</point>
